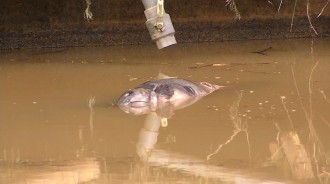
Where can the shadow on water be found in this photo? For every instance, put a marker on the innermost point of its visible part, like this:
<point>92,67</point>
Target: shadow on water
<point>269,124</point>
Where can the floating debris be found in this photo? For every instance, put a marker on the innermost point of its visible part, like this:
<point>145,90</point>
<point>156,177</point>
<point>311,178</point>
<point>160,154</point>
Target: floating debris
<point>164,122</point>
<point>262,52</point>
<point>133,79</point>
<point>226,64</point>
<point>213,65</point>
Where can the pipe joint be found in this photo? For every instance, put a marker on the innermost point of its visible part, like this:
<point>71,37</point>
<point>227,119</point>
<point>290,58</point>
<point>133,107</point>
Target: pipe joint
<point>161,29</point>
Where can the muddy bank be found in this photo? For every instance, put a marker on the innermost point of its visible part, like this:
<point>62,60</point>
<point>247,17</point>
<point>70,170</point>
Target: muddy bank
<point>62,24</point>
<point>86,34</point>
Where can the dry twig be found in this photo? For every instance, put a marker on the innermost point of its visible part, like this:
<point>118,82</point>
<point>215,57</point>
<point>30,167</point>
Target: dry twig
<point>293,13</point>
<point>233,7</point>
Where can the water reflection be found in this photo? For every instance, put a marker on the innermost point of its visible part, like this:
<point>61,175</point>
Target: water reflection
<point>148,135</point>
<point>64,172</point>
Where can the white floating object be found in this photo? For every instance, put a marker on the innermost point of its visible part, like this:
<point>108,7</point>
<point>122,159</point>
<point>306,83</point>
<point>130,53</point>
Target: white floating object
<point>164,122</point>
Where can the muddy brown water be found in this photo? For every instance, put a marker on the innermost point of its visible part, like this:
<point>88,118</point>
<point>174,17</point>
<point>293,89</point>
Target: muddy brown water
<point>59,124</point>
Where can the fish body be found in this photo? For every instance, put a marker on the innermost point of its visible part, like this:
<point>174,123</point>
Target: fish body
<point>164,96</point>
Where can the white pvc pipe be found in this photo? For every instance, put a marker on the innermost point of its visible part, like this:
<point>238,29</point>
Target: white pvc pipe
<point>162,38</point>
<point>149,3</point>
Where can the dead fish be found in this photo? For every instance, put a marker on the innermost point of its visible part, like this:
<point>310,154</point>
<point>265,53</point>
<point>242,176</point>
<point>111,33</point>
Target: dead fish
<point>164,96</point>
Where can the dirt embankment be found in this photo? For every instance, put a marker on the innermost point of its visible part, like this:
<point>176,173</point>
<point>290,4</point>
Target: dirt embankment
<point>61,23</point>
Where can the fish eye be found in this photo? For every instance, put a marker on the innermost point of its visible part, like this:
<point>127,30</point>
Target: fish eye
<point>189,89</point>
<point>129,92</point>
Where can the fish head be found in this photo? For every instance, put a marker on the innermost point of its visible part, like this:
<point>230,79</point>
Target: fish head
<point>209,88</point>
<point>138,101</point>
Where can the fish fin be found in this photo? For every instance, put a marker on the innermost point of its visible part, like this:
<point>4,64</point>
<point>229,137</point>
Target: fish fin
<point>147,85</point>
<point>165,90</point>
<point>209,88</point>
<point>163,76</point>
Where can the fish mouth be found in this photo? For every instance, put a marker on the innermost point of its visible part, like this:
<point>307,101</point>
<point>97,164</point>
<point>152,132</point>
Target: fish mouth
<point>136,107</point>
<point>134,104</point>
<point>138,104</point>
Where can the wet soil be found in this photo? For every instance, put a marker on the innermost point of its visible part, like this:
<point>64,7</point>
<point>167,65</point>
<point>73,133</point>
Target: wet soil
<point>201,31</point>
<point>38,23</point>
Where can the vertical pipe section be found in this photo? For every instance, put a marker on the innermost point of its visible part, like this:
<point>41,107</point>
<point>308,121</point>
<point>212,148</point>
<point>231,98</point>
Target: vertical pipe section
<point>162,38</point>
<point>149,3</point>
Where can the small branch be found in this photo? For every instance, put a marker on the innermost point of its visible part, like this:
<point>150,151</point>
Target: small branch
<point>324,96</point>
<point>239,126</point>
<point>326,4</point>
<point>249,146</point>
<point>279,7</point>
<point>233,7</point>
<point>294,10</point>
<point>298,94</point>
<point>310,87</point>
<point>88,15</point>
<point>208,157</point>
<point>279,146</point>
<point>262,52</point>
<point>309,18</point>
<point>287,112</point>
<point>325,121</point>
<point>91,102</point>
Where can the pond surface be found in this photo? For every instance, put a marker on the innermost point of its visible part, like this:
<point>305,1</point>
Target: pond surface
<point>270,124</point>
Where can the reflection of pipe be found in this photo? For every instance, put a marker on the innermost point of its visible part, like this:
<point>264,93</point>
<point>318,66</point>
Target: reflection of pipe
<point>157,157</point>
<point>148,136</point>
<point>159,23</point>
